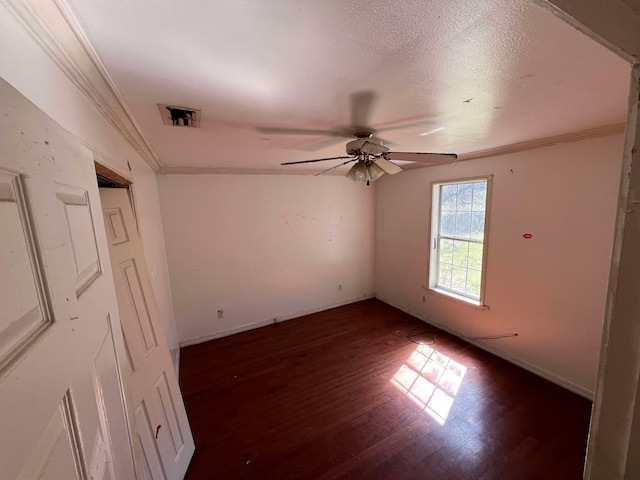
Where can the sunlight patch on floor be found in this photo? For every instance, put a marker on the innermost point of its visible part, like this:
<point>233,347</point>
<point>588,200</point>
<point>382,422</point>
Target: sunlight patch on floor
<point>431,380</point>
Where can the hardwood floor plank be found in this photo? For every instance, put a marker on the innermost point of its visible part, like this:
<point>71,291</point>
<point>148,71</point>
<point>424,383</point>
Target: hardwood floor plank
<point>345,394</point>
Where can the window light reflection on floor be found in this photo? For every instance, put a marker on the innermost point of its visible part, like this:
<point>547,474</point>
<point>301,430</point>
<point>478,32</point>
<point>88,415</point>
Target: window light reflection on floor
<point>431,380</point>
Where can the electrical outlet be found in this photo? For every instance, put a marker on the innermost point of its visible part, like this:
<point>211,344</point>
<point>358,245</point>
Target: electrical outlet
<point>220,313</point>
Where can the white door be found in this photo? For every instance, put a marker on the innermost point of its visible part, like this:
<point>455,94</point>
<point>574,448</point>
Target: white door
<point>162,437</point>
<point>62,414</point>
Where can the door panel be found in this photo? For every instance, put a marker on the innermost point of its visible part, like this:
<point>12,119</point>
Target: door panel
<point>56,297</point>
<point>107,383</point>
<point>144,338</point>
<point>149,463</point>
<point>169,414</point>
<point>100,468</point>
<point>81,235</point>
<point>25,312</point>
<point>162,428</point>
<point>58,453</point>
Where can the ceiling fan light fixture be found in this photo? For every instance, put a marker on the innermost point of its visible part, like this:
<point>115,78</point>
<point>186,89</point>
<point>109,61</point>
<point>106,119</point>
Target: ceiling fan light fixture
<point>358,173</point>
<point>361,172</point>
<point>375,172</point>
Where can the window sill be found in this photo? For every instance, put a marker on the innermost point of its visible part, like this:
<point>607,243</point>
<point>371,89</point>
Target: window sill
<point>456,298</point>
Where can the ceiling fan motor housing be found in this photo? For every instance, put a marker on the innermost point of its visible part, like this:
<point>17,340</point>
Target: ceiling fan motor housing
<point>369,146</point>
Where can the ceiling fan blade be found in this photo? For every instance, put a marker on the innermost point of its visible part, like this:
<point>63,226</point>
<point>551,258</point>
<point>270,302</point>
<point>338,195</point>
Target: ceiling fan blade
<point>423,123</point>
<point>389,167</point>
<point>301,131</point>
<point>316,160</point>
<point>322,144</point>
<point>362,104</point>
<point>335,166</point>
<point>426,158</point>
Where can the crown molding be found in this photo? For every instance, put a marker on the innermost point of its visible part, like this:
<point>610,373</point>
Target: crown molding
<point>235,171</point>
<point>546,142</point>
<point>52,25</point>
<point>576,136</point>
<point>56,30</point>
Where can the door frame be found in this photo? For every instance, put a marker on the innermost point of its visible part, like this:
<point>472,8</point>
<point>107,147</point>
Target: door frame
<point>614,430</point>
<point>123,180</point>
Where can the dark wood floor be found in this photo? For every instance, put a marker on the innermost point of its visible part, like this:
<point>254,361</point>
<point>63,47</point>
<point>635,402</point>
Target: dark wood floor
<point>344,394</point>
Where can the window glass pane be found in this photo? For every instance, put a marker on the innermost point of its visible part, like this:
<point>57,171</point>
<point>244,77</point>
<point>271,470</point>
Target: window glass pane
<point>445,275</point>
<point>479,196</point>
<point>448,223</point>
<point>461,210</point>
<point>463,224</point>
<point>458,278</point>
<point>473,282</point>
<point>477,225</point>
<point>475,255</point>
<point>449,194</point>
<point>465,197</point>
<point>460,253</point>
<point>446,250</point>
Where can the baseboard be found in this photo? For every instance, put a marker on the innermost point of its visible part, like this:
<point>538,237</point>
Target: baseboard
<point>271,321</point>
<point>328,307</point>
<point>562,382</point>
<point>224,333</point>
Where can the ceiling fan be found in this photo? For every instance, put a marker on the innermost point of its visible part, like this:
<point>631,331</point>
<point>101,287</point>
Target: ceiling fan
<point>370,157</point>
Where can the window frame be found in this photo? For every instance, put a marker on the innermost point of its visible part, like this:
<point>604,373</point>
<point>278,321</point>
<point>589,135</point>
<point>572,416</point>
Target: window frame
<point>434,244</point>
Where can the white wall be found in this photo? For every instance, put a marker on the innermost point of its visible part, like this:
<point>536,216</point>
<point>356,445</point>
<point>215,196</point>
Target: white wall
<point>260,247</point>
<point>25,66</point>
<point>549,289</point>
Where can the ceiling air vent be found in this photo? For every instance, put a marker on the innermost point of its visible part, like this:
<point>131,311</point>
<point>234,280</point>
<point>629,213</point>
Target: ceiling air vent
<point>179,116</point>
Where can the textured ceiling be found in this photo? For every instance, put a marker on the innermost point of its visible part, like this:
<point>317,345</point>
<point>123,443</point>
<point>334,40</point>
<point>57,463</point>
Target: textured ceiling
<point>477,75</point>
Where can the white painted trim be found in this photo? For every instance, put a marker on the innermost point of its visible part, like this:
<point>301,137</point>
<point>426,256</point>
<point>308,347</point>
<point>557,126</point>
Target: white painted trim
<point>577,136</point>
<point>225,333</point>
<point>612,24</point>
<point>236,171</point>
<point>271,321</point>
<point>57,31</point>
<point>562,382</point>
<point>107,161</point>
<point>619,409</point>
<point>54,28</point>
<point>458,299</point>
<point>434,236</point>
<point>546,142</point>
<point>119,351</point>
<point>175,360</point>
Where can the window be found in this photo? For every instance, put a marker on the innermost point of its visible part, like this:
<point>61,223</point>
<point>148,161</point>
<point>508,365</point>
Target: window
<point>458,230</point>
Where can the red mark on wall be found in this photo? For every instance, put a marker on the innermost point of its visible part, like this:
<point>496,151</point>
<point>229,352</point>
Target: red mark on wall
<point>158,430</point>
<point>527,235</point>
